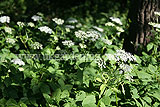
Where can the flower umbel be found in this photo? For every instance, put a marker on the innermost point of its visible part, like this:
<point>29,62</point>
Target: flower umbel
<point>45,29</point>
<point>18,62</point>
<point>5,19</point>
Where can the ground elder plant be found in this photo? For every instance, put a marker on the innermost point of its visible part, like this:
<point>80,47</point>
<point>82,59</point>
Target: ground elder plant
<point>68,62</point>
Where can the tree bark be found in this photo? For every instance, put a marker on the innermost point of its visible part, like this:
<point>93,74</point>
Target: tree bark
<point>141,12</point>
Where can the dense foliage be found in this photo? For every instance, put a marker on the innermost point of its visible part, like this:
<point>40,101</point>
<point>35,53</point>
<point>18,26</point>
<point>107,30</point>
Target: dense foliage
<point>78,62</point>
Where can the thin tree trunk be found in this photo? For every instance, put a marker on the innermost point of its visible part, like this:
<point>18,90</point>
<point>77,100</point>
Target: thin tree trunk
<point>141,12</point>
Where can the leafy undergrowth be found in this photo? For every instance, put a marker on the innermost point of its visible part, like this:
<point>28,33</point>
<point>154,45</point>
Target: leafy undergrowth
<point>74,63</point>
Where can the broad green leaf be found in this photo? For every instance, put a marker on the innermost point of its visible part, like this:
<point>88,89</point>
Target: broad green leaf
<point>147,99</point>
<point>89,101</point>
<point>138,60</point>
<point>44,88</point>
<point>51,70</point>
<point>152,68</point>
<point>65,94</point>
<point>80,96</point>
<point>149,46</point>
<point>135,93</point>
<point>143,74</point>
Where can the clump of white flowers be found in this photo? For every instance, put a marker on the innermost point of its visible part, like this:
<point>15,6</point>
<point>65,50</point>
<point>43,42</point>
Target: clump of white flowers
<point>101,63</point>
<point>8,30</point>
<point>58,21</point>
<point>106,41</point>
<point>98,28</point>
<point>121,55</point>
<point>45,29</point>
<point>109,24</point>
<point>72,20</point>
<point>82,45</point>
<point>5,19</point>
<point>109,57</point>
<point>31,24</point>
<point>20,24</point>
<point>68,43</point>
<point>10,40</point>
<point>93,35</point>
<point>70,26</point>
<point>125,68</point>
<point>18,62</point>
<point>116,20</point>
<point>81,34</point>
<point>36,18</point>
<point>37,45</point>
<point>157,13</point>
<point>119,29</point>
<point>156,25</point>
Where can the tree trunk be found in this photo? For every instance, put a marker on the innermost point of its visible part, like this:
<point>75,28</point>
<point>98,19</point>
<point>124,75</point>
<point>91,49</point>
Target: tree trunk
<point>141,12</point>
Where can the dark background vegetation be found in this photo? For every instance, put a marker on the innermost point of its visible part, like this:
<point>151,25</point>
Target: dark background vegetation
<point>21,9</point>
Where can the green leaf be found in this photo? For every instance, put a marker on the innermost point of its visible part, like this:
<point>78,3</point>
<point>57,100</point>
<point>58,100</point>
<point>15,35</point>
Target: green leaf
<point>152,68</point>
<point>65,94</point>
<point>89,101</point>
<point>143,74</point>
<point>51,70</point>
<point>44,88</point>
<point>135,93</point>
<point>80,96</point>
<point>147,99</point>
<point>138,60</point>
<point>106,100</point>
<point>149,46</point>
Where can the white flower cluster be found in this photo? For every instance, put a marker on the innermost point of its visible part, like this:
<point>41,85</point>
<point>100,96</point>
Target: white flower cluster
<point>125,68</point>
<point>98,28</point>
<point>36,18</point>
<point>101,63</point>
<point>68,43</point>
<point>81,34</point>
<point>18,62</point>
<point>82,45</point>
<point>157,13</point>
<point>72,20</point>
<point>117,20</point>
<point>45,29</point>
<point>20,24</point>
<point>58,21</point>
<point>109,24</point>
<point>31,24</point>
<point>37,45</point>
<point>119,29</point>
<point>92,35</point>
<point>156,25</point>
<point>110,57</point>
<point>5,19</point>
<point>121,55</point>
<point>8,30</point>
<point>70,26</point>
<point>10,40</point>
<point>106,41</point>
